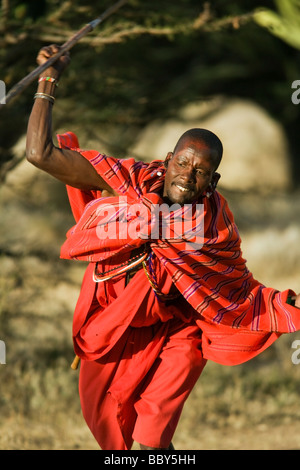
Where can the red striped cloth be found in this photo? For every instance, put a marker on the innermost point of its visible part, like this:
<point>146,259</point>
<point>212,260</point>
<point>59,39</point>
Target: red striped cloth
<point>239,316</point>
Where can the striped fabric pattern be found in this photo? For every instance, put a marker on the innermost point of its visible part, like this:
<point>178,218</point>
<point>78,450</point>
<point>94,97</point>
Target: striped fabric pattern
<point>214,279</point>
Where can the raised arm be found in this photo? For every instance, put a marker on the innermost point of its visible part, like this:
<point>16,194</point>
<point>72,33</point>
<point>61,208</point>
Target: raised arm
<point>68,166</point>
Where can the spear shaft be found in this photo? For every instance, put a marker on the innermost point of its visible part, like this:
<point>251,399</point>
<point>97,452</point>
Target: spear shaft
<point>26,81</point>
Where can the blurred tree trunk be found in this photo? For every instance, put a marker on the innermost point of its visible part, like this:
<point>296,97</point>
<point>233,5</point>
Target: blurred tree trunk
<point>5,13</point>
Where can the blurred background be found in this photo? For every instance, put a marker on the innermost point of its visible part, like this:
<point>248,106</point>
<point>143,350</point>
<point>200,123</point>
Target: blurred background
<point>150,72</point>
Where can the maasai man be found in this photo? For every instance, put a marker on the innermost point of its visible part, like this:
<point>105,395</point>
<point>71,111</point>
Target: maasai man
<point>153,308</point>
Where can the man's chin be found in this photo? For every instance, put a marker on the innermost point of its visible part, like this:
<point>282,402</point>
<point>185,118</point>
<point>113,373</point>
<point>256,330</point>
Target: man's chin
<point>180,199</point>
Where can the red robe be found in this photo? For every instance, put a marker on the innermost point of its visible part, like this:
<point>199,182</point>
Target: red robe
<point>231,316</point>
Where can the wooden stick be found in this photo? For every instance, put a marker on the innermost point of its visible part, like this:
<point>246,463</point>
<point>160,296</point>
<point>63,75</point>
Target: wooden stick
<point>26,81</point>
<point>75,363</point>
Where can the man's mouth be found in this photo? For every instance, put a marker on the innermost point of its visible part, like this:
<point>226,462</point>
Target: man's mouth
<point>183,189</point>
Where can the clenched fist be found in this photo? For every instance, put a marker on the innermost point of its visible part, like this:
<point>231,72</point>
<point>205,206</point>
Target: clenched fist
<point>56,69</point>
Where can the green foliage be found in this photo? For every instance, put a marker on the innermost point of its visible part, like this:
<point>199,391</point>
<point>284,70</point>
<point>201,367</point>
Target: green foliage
<point>285,24</point>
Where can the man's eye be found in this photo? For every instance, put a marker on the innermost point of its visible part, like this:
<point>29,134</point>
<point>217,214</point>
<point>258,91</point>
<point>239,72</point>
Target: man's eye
<point>202,173</point>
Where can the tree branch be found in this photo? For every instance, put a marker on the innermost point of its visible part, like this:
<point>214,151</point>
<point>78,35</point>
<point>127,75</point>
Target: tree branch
<point>204,22</point>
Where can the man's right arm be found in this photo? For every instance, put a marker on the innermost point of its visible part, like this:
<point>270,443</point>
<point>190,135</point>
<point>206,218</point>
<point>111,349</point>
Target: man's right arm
<point>68,166</point>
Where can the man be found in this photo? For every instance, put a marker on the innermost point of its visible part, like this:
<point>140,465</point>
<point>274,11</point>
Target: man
<point>152,308</point>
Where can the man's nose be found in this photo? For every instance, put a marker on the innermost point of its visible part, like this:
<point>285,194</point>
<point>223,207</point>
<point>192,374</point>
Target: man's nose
<point>189,174</point>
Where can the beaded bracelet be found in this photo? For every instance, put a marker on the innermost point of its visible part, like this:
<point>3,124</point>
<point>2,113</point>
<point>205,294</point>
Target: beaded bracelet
<point>48,79</point>
<point>45,96</point>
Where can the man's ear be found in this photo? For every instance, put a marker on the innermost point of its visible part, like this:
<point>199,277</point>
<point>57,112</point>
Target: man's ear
<point>168,158</point>
<point>215,180</point>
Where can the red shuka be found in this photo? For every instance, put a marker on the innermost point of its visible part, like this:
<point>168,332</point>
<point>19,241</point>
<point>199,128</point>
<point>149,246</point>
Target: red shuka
<point>237,316</point>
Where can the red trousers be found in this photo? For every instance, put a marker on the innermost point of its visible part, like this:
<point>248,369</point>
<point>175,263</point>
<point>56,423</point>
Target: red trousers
<point>117,409</point>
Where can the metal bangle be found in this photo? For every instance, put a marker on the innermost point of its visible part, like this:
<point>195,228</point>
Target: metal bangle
<point>45,96</point>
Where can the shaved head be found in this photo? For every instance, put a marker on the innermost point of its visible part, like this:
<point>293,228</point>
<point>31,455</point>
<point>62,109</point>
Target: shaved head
<point>205,136</point>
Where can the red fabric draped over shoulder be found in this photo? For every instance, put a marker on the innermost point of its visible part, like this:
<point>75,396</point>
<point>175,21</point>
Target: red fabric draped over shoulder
<point>238,315</point>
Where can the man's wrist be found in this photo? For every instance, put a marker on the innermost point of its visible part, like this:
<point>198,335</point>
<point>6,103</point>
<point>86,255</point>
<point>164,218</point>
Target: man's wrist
<point>47,84</point>
<point>51,72</point>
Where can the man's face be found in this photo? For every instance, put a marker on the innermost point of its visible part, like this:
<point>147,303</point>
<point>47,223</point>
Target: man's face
<point>190,171</point>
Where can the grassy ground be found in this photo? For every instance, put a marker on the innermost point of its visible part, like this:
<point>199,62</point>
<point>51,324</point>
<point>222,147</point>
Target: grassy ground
<point>252,406</point>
